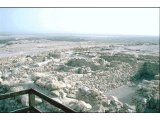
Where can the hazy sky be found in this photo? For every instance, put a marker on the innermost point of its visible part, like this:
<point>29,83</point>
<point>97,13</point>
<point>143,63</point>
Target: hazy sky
<point>134,21</point>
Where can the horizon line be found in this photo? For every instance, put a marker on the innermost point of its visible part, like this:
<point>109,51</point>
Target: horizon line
<point>69,33</point>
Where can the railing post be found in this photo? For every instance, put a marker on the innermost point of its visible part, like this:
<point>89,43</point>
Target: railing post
<point>31,99</point>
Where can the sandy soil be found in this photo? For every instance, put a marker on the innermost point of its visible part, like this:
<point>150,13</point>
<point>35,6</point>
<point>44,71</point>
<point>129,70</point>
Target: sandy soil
<point>124,93</point>
<point>33,48</point>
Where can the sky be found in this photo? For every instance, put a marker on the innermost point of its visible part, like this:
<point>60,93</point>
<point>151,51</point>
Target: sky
<point>111,21</point>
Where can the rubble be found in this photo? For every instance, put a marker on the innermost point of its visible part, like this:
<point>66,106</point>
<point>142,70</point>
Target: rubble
<point>55,93</point>
<point>147,97</point>
<point>81,78</point>
<point>77,105</point>
<point>36,75</point>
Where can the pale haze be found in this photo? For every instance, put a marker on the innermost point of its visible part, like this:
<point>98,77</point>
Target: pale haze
<point>125,21</point>
<point>84,60</point>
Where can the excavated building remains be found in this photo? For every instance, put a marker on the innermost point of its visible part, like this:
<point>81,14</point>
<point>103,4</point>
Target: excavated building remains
<point>80,78</point>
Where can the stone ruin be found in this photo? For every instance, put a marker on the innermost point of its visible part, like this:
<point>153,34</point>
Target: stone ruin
<point>81,83</point>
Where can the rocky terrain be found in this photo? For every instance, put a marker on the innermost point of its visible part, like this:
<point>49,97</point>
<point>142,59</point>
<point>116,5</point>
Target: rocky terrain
<point>81,77</point>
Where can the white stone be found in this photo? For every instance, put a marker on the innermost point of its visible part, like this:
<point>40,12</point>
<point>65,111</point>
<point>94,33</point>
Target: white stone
<point>66,90</point>
<point>57,99</point>
<point>16,89</point>
<point>25,75</point>
<point>71,96</point>
<point>156,77</point>
<point>15,71</point>
<point>68,86</point>
<point>6,75</point>
<point>1,81</point>
<point>113,98</point>
<point>5,82</point>
<point>139,86</point>
<point>56,60</point>
<point>25,67</point>
<point>62,94</point>
<point>38,100</point>
<point>128,107</point>
<point>146,82</point>
<point>115,101</point>
<point>0,74</point>
<point>57,85</point>
<point>85,105</point>
<point>55,93</point>
<point>40,83</point>
<point>94,92</point>
<point>29,59</point>
<point>84,70</point>
<point>22,59</point>
<point>156,82</point>
<point>144,100</point>
<point>67,101</point>
<point>37,75</point>
<point>84,90</point>
<point>79,106</point>
<point>25,100</point>
<point>42,63</point>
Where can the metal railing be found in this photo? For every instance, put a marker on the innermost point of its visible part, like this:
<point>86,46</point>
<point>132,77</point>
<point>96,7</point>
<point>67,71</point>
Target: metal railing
<point>32,93</point>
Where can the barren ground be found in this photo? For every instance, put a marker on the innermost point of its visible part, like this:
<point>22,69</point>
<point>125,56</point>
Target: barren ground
<point>109,81</point>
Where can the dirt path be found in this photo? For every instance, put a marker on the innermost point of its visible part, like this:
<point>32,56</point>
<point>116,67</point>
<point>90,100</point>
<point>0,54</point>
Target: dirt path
<point>123,93</point>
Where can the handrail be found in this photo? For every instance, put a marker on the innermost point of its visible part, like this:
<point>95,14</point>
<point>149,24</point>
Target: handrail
<point>13,94</point>
<point>26,109</point>
<point>51,101</point>
<point>32,92</point>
